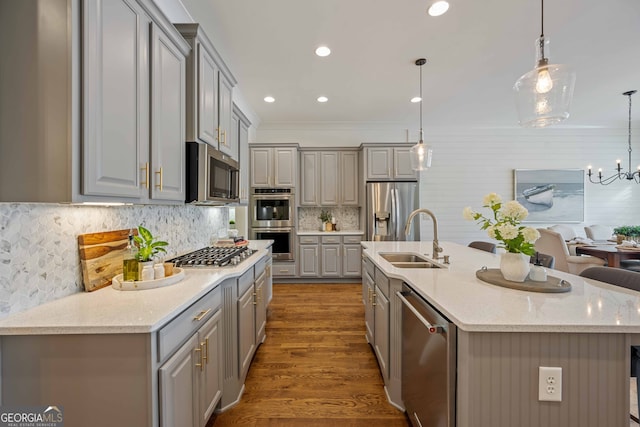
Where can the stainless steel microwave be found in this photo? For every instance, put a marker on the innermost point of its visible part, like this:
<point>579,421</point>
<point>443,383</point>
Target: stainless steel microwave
<point>212,177</point>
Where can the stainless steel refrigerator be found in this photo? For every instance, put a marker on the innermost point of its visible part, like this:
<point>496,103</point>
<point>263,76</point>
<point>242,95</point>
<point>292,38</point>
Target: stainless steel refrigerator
<point>388,206</point>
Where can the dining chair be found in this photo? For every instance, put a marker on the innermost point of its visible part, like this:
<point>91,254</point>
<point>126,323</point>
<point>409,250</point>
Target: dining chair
<point>483,246</point>
<point>625,279</point>
<point>599,232</point>
<point>545,260</point>
<point>553,244</point>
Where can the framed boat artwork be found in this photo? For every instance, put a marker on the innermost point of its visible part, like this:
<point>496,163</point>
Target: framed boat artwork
<point>550,195</point>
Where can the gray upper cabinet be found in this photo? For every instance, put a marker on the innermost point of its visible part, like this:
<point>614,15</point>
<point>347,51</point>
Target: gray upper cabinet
<point>116,98</point>
<point>167,118</point>
<point>308,178</point>
<point>386,163</point>
<point>225,104</point>
<point>349,178</point>
<point>329,178</point>
<point>133,75</point>
<point>240,145</point>
<point>273,166</point>
<point>209,93</point>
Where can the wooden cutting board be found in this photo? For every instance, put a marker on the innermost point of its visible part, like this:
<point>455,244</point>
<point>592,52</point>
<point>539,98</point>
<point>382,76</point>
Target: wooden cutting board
<point>101,256</point>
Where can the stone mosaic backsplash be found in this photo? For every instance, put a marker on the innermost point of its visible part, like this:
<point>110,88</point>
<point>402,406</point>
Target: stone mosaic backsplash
<point>39,259</point>
<point>347,218</point>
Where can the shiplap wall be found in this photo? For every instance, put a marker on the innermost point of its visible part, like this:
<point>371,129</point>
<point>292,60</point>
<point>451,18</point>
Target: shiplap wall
<point>469,163</point>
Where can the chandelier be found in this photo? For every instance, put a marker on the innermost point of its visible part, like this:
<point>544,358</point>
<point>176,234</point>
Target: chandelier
<point>628,175</point>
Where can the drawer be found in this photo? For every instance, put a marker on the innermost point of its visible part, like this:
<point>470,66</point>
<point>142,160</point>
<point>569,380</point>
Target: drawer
<point>331,239</point>
<point>283,269</point>
<point>368,266</point>
<point>259,267</point>
<point>351,239</point>
<point>382,282</point>
<point>182,327</point>
<point>245,281</point>
<point>308,240</point>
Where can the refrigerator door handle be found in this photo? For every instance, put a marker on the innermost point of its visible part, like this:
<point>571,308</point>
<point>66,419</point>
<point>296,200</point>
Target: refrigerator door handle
<point>394,212</point>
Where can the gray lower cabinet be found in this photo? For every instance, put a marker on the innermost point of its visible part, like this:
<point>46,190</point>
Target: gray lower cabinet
<point>309,260</point>
<point>191,380</point>
<point>331,265</point>
<point>245,302</point>
<point>332,256</point>
<point>368,295</point>
<point>246,330</point>
<point>383,326</point>
<point>309,256</point>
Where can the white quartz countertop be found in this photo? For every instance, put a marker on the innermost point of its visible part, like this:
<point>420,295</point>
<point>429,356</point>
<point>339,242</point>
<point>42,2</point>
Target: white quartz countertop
<point>110,311</point>
<point>474,305</point>
<point>322,233</point>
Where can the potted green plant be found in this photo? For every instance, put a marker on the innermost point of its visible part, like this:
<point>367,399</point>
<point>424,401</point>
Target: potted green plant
<point>325,217</point>
<point>148,248</point>
<point>626,232</point>
<point>232,224</point>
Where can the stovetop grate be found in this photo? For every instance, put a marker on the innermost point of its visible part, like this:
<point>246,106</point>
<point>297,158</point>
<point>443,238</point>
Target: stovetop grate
<point>213,256</point>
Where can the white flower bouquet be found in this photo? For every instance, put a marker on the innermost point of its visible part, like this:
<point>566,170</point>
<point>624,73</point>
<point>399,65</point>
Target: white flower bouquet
<point>505,224</point>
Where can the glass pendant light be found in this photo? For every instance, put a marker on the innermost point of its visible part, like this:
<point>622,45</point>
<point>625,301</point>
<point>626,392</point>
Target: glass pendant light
<point>420,153</point>
<point>543,95</point>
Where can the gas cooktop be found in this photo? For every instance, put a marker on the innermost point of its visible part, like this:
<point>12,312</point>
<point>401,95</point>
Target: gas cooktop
<point>213,256</point>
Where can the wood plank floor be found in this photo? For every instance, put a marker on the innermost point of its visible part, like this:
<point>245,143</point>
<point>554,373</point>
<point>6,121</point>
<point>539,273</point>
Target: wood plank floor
<point>315,367</point>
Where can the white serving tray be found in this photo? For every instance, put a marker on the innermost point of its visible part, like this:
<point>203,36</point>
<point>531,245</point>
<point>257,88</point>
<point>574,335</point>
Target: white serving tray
<point>141,285</point>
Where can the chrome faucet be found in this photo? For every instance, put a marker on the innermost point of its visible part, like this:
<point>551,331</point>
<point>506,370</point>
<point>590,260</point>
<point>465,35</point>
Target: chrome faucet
<point>407,229</point>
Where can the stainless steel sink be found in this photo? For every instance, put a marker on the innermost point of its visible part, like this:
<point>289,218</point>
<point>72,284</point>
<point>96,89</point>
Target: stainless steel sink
<point>408,260</point>
<point>417,264</point>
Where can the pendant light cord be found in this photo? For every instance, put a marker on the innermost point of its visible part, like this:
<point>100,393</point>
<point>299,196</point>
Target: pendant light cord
<point>542,19</point>
<point>421,134</point>
<point>542,57</point>
<point>629,95</point>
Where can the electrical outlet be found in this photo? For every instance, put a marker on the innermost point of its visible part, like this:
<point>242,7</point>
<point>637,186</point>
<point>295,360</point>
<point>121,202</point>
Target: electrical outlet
<point>549,384</point>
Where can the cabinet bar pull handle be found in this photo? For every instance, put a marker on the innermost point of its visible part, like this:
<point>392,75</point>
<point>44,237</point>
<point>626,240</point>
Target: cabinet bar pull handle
<point>199,350</point>
<point>374,299</point>
<point>205,356</point>
<point>159,186</point>
<point>146,175</point>
<point>201,315</point>
<point>218,131</point>
<point>224,134</point>
<point>283,270</point>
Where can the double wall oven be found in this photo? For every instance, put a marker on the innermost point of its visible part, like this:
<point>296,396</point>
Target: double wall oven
<point>272,218</point>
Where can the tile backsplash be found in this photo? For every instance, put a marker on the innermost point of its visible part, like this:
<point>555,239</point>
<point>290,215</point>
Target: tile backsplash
<point>346,218</point>
<point>39,259</point>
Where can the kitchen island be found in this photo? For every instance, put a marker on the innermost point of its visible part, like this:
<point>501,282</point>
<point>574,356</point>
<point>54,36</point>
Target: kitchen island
<point>504,336</point>
<point>141,358</point>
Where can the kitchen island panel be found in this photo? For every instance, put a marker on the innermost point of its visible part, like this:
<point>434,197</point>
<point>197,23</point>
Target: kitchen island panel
<point>112,371</point>
<point>498,379</point>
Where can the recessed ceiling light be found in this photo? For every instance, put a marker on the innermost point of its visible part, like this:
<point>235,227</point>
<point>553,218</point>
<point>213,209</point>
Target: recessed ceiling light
<point>269,99</point>
<point>438,8</point>
<point>416,99</point>
<point>322,99</point>
<point>323,51</point>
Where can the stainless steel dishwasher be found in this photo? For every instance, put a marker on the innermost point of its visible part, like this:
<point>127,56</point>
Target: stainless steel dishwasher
<point>429,343</point>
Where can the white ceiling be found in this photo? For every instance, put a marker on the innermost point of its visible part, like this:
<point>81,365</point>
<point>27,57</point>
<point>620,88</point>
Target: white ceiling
<point>475,52</point>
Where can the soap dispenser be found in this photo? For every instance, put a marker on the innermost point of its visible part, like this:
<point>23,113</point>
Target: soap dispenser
<point>538,273</point>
